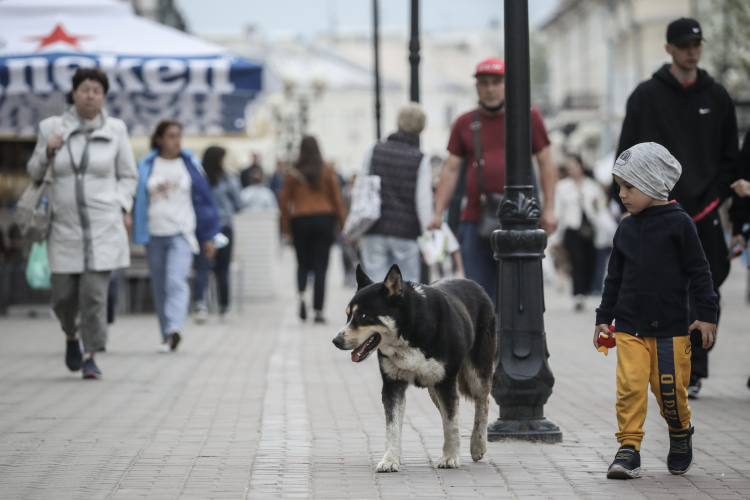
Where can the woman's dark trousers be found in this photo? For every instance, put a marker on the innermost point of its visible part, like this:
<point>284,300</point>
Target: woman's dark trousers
<point>582,259</point>
<point>313,236</point>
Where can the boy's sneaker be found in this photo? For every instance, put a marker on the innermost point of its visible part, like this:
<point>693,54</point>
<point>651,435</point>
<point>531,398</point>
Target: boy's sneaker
<point>694,387</point>
<point>173,339</point>
<point>680,456</point>
<point>90,370</point>
<point>627,464</point>
<point>73,355</point>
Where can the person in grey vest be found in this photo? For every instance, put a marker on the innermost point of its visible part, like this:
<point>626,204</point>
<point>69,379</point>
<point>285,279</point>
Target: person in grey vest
<point>406,199</point>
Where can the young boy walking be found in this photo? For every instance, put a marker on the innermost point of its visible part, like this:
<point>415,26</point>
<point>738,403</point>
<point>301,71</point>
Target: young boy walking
<point>656,258</point>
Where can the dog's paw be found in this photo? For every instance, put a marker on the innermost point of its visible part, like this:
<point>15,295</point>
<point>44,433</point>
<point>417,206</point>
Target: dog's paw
<point>478,449</point>
<point>388,465</point>
<point>449,462</point>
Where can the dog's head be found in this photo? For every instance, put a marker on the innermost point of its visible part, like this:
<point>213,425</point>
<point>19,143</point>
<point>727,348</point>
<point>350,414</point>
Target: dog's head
<point>371,315</point>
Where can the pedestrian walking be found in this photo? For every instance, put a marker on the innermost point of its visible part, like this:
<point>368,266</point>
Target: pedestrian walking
<point>311,205</point>
<point>256,196</point>
<point>276,183</point>
<point>175,215</point>
<point>406,199</point>
<point>740,211</point>
<point>682,108</point>
<point>91,163</point>
<point>657,257</point>
<point>245,177</point>
<point>226,191</point>
<point>478,138</point>
<point>584,224</point>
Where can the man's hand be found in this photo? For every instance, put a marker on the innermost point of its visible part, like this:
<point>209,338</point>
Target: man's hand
<point>435,222</point>
<point>287,237</point>
<point>548,220</point>
<point>741,187</point>
<point>209,249</point>
<point>127,219</point>
<point>603,328</point>
<point>708,332</point>
<point>53,144</point>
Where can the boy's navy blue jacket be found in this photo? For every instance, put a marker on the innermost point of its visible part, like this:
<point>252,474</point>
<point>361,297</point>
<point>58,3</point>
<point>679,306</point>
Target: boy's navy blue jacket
<point>656,256</point>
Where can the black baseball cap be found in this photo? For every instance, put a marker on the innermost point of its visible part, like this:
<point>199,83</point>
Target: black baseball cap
<point>683,30</point>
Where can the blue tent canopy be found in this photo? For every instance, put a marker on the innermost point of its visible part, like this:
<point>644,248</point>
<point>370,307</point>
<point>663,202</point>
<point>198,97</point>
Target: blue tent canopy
<point>155,72</point>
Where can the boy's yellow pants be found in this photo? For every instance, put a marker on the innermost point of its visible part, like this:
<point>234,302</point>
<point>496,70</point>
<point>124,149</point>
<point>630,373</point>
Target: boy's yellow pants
<point>665,363</point>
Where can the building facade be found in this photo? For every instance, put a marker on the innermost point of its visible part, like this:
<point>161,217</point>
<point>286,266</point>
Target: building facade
<point>598,52</point>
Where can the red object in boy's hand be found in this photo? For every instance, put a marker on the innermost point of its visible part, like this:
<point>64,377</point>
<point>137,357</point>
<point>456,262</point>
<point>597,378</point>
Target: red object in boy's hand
<point>607,341</point>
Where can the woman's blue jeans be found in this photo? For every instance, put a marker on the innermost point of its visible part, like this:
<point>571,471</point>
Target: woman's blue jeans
<point>169,261</point>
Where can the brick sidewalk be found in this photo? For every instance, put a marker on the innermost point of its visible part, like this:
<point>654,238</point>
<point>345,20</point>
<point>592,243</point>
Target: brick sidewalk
<point>264,407</point>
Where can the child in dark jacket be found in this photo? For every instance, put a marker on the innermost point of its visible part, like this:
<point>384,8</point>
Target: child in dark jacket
<point>656,258</point>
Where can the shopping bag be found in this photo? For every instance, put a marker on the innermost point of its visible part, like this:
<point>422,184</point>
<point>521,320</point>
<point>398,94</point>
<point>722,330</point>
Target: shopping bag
<point>33,213</point>
<point>365,209</point>
<point>37,269</point>
<point>436,244</point>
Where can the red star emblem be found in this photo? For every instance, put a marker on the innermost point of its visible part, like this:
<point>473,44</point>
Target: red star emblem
<point>58,35</point>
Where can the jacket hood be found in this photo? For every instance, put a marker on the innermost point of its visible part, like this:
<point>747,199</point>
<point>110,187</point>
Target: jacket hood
<point>664,76</point>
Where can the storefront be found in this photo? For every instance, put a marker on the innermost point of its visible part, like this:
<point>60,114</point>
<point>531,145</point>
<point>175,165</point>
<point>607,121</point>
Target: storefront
<point>155,72</point>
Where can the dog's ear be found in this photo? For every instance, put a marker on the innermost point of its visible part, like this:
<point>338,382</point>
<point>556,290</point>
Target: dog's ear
<point>394,282</point>
<point>362,279</point>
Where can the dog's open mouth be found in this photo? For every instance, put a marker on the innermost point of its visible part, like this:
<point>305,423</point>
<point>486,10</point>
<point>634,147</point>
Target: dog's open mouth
<point>361,352</point>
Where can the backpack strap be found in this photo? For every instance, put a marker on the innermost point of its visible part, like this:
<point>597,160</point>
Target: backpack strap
<point>476,129</point>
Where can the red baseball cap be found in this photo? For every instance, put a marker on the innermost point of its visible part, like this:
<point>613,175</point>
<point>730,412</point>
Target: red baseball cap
<point>491,66</point>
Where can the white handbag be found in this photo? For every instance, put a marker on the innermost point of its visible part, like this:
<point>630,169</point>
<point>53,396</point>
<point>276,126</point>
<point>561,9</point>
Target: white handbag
<point>365,209</point>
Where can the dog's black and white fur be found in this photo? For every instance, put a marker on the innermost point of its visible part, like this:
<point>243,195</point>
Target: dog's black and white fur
<point>441,337</point>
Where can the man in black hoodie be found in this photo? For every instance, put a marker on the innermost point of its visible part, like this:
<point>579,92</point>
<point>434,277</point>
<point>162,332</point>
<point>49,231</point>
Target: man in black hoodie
<point>682,108</point>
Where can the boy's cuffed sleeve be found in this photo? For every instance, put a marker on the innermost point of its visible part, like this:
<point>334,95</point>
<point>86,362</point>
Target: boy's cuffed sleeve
<point>698,271</point>
<point>605,312</point>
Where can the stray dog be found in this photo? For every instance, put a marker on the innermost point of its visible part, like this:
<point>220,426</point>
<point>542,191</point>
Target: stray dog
<point>441,337</point>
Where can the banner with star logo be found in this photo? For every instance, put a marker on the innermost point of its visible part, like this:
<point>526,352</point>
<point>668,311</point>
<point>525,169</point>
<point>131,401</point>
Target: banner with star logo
<point>155,71</point>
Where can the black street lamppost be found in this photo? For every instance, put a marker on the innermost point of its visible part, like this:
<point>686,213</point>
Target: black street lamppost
<point>414,51</point>
<point>523,380</point>
<point>376,48</point>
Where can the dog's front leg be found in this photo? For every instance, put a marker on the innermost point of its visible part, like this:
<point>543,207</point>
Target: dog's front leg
<point>394,401</point>
<point>447,397</point>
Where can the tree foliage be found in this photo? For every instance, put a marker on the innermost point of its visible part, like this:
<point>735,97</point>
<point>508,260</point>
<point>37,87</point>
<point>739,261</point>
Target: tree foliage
<point>727,49</point>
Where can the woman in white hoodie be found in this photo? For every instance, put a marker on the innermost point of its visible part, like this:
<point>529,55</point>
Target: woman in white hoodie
<point>584,224</point>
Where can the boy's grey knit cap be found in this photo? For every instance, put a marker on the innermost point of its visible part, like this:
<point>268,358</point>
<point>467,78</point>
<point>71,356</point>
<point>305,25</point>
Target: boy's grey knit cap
<point>649,167</point>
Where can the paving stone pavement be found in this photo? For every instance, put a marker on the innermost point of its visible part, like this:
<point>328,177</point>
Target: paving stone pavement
<point>265,407</point>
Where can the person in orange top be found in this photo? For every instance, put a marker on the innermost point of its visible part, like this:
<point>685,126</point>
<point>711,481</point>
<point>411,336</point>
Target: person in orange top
<point>311,204</point>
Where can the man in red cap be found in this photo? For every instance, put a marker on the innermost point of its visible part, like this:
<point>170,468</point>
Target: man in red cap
<point>479,262</point>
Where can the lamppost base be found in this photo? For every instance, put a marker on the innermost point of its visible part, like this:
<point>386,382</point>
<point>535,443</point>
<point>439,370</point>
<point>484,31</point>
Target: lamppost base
<point>537,430</point>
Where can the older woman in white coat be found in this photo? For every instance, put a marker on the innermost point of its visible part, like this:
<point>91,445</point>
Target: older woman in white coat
<point>94,180</point>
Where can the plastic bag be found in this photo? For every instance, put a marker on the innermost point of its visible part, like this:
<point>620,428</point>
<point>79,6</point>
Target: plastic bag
<point>435,244</point>
<point>37,269</point>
